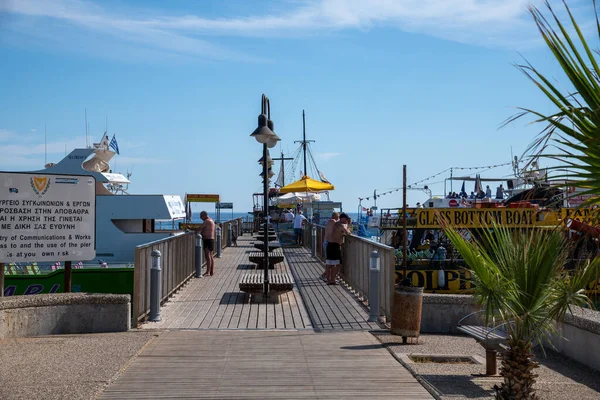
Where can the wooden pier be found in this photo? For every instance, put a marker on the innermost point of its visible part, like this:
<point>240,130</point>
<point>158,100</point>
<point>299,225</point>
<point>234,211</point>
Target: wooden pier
<point>216,302</point>
<point>215,343</point>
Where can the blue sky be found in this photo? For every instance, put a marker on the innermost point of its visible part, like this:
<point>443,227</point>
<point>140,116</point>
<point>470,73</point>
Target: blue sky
<point>426,83</point>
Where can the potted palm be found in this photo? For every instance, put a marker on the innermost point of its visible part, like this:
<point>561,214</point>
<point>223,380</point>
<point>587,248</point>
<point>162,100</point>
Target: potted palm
<point>521,278</point>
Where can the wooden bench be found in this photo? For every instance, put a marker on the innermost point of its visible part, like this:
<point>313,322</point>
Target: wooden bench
<point>279,282</point>
<point>261,238</point>
<point>493,339</point>
<point>272,245</point>
<point>275,257</point>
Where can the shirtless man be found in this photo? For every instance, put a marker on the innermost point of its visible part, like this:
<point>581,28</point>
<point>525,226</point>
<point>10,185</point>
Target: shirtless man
<point>208,242</point>
<point>334,247</point>
<point>335,216</point>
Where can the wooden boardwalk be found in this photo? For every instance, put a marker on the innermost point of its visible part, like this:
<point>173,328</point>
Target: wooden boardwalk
<point>265,365</point>
<point>216,344</point>
<point>217,303</point>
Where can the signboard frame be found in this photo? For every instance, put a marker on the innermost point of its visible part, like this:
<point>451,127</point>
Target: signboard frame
<point>40,184</point>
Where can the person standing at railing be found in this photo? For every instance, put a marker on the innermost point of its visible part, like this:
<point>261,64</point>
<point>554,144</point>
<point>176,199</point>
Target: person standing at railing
<point>207,230</point>
<point>335,217</point>
<point>334,247</point>
<point>299,222</point>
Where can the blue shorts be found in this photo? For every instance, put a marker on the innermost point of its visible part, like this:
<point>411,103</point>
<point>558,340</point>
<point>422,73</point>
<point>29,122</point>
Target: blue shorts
<point>298,232</point>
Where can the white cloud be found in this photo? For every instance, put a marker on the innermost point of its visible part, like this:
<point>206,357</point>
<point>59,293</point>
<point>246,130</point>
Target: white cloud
<point>6,135</point>
<point>327,156</point>
<point>483,22</point>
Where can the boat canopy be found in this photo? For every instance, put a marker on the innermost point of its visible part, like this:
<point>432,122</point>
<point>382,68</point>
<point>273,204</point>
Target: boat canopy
<point>297,197</point>
<point>306,184</point>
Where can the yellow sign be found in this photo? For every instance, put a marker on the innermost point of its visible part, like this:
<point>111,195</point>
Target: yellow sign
<point>457,280</point>
<point>480,218</point>
<point>183,226</point>
<point>203,198</point>
<point>586,215</point>
<point>485,217</point>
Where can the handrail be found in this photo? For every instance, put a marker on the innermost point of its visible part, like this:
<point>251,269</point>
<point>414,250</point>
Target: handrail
<point>356,253</point>
<point>178,261</point>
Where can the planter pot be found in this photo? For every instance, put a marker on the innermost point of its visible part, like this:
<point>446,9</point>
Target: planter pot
<point>406,313</point>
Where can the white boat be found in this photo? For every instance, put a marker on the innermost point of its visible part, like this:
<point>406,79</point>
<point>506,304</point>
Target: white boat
<point>123,221</point>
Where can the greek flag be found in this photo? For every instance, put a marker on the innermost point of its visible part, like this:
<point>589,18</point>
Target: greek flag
<point>113,144</point>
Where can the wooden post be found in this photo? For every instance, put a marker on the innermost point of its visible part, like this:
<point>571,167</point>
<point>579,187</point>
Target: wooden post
<point>1,279</point>
<point>404,233</point>
<point>67,276</point>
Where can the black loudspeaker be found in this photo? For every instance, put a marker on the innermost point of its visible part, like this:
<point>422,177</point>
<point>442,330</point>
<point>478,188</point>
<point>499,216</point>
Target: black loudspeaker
<point>509,184</point>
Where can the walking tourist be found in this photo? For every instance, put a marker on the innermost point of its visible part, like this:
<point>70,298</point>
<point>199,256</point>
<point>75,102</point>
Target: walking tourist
<point>299,222</point>
<point>335,217</point>
<point>207,231</point>
<point>334,247</point>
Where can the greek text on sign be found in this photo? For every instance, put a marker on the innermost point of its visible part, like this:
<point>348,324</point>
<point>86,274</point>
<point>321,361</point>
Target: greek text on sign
<point>203,198</point>
<point>47,217</point>
<point>225,205</point>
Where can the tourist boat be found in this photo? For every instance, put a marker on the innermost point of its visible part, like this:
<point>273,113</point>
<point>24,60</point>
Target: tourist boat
<point>123,220</point>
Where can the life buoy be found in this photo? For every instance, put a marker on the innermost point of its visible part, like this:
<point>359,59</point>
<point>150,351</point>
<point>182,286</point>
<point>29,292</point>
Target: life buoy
<point>453,203</point>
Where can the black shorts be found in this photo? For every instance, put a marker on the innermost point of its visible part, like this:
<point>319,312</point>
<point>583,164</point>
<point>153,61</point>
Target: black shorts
<point>208,244</point>
<point>334,253</point>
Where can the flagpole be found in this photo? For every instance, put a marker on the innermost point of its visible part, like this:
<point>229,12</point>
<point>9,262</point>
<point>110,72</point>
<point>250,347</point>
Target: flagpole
<point>45,147</point>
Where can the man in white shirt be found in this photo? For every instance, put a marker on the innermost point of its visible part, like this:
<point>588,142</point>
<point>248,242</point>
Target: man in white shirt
<point>299,222</point>
<point>289,216</point>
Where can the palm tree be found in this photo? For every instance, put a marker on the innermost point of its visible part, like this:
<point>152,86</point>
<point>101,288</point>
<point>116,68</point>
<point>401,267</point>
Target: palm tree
<point>572,134</point>
<point>520,278</point>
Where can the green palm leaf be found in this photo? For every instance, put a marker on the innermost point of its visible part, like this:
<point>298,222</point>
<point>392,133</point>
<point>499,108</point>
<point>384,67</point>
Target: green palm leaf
<point>573,131</point>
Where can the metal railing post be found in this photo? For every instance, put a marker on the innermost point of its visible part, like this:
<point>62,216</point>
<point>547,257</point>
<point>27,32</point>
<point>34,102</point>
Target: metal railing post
<point>155,287</point>
<point>374,271</point>
<point>313,250</point>
<point>218,233</point>
<point>199,256</point>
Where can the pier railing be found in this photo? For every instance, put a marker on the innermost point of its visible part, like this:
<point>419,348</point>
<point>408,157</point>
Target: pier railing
<point>356,255</point>
<point>177,266</point>
<point>178,261</point>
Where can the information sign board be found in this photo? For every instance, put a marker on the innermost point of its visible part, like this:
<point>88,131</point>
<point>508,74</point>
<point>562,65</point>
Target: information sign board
<point>225,205</point>
<point>47,217</point>
<point>175,206</point>
<point>203,198</point>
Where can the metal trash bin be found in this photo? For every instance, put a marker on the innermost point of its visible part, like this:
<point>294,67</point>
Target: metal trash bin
<point>406,313</point>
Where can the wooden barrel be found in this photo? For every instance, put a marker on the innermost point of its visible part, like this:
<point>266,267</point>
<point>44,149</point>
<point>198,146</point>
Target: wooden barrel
<point>406,313</point>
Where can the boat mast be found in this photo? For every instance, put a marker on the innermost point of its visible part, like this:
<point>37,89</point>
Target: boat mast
<point>304,141</point>
<point>282,158</point>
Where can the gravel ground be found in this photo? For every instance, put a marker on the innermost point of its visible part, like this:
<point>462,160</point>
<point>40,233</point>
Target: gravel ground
<point>559,378</point>
<point>66,366</point>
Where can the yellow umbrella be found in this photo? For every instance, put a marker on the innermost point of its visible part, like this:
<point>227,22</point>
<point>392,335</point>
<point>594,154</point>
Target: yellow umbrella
<point>306,184</point>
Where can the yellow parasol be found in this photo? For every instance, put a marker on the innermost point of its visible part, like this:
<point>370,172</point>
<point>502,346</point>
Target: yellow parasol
<point>306,184</point>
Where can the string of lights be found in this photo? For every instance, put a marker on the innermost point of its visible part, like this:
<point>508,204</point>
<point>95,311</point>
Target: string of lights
<point>473,169</point>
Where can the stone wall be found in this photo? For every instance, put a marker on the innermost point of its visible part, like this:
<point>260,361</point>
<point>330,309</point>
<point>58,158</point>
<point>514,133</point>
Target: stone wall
<point>441,312</point>
<point>581,329</point>
<point>63,313</point>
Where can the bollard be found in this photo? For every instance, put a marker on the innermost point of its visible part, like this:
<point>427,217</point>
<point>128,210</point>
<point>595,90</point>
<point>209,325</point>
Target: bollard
<point>314,241</point>
<point>229,235</point>
<point>155,287</point>
<point>441,278</point>
<point>218,233</point>
<point>374,271</point>
<point>199,256</point>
